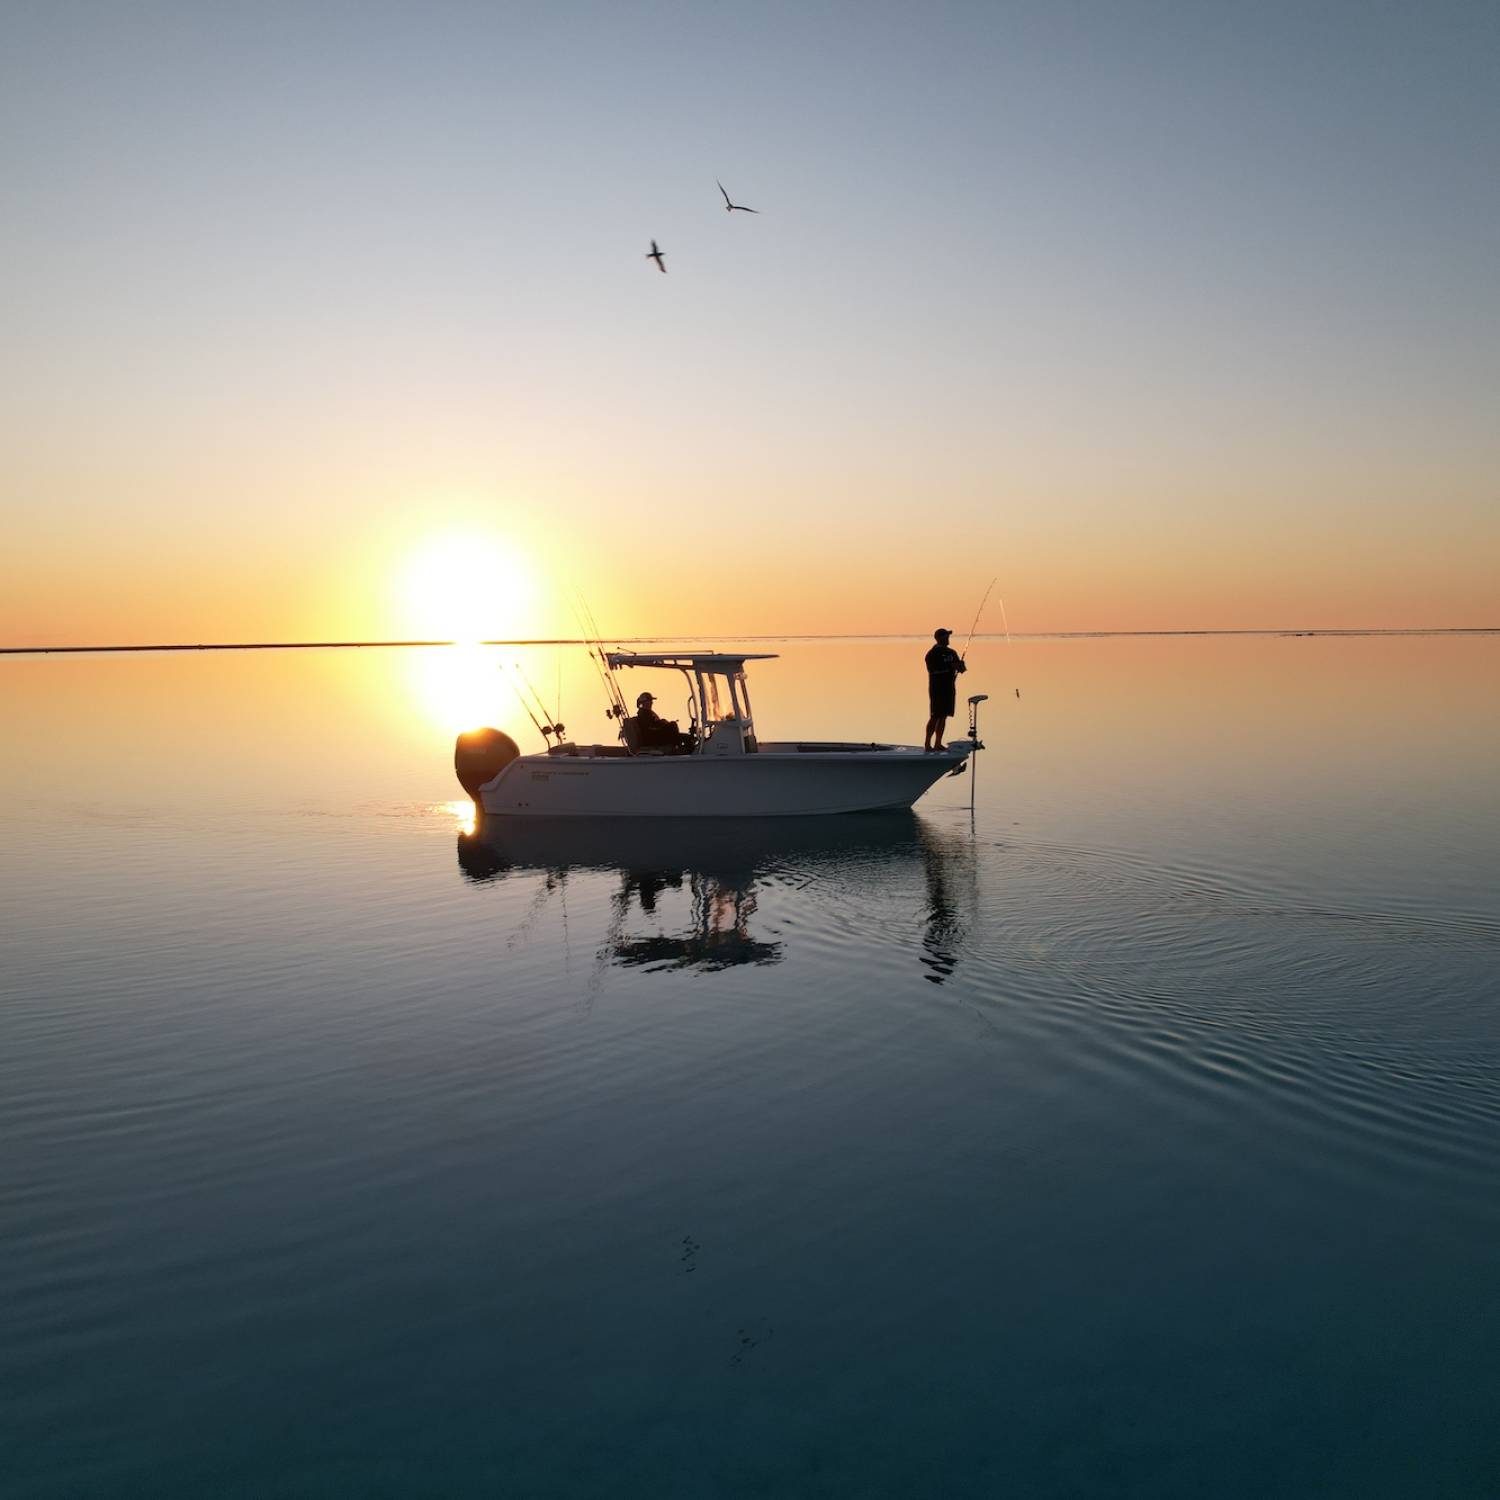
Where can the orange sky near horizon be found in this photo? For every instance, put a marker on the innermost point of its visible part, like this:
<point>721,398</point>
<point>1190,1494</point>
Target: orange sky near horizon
<point>477,579</point>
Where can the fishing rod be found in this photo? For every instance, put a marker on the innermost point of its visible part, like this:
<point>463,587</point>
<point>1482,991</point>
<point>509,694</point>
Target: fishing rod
<point>588,641</point>
<point>589,628</point>
<point>546,729</point>
<point>975,626</point>
<point>616,695</point>
<point>1004,618</point>
<point>526,708</point>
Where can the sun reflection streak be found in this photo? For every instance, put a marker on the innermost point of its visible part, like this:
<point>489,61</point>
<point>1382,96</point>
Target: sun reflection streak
<point>464,813</point>
<point>459,687</point>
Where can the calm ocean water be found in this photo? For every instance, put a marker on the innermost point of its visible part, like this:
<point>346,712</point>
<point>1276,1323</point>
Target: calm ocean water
<point>1136,1136</point>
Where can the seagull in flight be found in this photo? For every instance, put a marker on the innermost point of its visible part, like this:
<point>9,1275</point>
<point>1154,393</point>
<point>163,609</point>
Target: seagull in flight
<point>655,254</point>
<point>730,208</point>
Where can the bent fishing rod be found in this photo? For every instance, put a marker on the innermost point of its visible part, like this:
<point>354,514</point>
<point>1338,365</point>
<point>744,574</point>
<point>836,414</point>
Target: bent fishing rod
<point>975,626</point>
<point>962,655</point>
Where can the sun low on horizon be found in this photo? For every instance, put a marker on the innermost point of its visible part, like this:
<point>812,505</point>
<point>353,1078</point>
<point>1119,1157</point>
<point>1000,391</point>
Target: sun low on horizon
<point>462,585</point>
<point>465,586</point>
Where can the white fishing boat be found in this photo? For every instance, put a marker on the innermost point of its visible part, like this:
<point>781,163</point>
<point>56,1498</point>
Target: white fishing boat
<point>717,768</point>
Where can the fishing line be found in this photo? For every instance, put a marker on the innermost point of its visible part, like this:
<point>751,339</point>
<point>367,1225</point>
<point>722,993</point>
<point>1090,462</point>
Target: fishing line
<point>1004,620</point>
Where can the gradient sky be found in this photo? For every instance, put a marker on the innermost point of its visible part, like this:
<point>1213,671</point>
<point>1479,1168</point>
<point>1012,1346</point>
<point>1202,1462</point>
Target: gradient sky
<point>1170,315</point>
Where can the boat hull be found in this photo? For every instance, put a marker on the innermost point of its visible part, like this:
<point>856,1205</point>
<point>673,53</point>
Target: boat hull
<point>765,785</point>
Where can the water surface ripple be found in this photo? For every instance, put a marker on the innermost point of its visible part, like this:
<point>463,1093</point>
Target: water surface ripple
<point>1135,1135</point>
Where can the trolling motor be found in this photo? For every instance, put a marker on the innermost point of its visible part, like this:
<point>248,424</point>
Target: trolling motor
<point>974,739</point>
<point>976,742</point>
<point>974,703</point>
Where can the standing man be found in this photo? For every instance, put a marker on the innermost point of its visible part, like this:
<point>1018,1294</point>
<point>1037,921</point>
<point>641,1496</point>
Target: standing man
<point>943,666</point>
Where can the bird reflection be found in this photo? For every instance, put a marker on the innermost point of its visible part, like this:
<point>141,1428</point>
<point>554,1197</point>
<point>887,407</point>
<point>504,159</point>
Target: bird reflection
<point>723,868</point>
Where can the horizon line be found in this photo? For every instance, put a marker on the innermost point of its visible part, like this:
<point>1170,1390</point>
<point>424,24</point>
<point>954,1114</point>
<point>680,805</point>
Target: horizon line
<point>636,640</point>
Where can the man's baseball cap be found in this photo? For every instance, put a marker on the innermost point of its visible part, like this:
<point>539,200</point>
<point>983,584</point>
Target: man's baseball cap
<point>940,631</point>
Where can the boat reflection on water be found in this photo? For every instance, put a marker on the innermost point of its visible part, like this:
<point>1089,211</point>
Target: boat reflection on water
<point>848,867</point>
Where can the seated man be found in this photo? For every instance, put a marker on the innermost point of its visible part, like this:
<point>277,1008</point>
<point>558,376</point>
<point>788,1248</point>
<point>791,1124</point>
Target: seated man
<point>654,732</point>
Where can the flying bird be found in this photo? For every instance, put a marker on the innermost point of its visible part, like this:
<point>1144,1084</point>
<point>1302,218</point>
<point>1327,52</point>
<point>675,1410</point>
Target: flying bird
<point>655,255</point>
<point>730,208</point>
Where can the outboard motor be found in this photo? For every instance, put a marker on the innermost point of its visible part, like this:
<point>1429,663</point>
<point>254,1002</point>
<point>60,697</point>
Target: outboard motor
<point>479,755</point>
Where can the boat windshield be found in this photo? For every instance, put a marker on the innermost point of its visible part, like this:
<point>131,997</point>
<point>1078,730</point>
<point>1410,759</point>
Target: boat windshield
<point>739,691</point>
<point>731,704</point>
<point>728,728</point>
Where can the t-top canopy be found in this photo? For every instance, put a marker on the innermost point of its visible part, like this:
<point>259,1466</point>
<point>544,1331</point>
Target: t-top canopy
<point>707,661</point>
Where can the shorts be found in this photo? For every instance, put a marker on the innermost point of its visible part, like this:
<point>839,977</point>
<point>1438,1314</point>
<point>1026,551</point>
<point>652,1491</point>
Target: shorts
<point>940,696</point>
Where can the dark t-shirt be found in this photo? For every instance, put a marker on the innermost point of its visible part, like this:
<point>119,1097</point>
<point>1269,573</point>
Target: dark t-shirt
<point>943,666</point>
<point>943,663</point>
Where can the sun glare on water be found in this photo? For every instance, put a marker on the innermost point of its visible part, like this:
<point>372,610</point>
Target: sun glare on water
<point>462,812</point>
